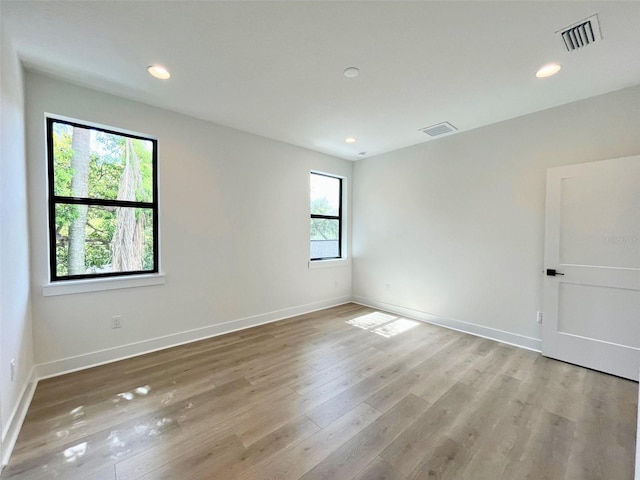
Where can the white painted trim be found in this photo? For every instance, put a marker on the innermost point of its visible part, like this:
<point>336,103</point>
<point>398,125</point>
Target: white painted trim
<point>123,131</point>
<point>93,359</point>
<point>502,336</point>
<point>81,362</point>
<point>337,262</point>
<point>101,357</point>
<point>637,475</point>
<point>13,426</point>
<point>69,287</point>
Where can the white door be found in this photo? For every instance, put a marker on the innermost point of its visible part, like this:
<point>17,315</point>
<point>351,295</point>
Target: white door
<point>592,241</point>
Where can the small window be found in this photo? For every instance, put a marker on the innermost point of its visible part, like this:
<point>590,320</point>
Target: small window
<point>326,217</point>
<point>103,202</point>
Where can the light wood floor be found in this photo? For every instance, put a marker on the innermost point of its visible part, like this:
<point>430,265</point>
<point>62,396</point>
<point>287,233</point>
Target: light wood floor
<point>339,394</point>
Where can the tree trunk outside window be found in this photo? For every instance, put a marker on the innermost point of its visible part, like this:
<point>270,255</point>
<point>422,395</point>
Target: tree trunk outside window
<point>79,188</point>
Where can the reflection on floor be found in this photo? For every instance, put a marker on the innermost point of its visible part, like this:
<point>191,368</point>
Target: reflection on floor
<point>344,393</point>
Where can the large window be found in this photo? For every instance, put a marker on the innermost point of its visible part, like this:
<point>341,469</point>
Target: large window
<point>326,217</point>
<point>103,202</point>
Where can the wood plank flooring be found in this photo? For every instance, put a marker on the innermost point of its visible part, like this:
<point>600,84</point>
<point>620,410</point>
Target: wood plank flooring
<point>344,393</point>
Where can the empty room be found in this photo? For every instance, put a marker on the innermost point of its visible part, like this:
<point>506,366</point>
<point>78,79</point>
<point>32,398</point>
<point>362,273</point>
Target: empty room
<point>297,240</point>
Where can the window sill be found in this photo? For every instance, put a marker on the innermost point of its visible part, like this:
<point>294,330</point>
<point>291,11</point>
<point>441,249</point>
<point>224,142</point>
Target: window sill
<point>334,262</point>
<point>99,284</point>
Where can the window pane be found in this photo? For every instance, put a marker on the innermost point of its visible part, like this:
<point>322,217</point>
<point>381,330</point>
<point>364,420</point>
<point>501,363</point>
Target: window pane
<point>325,195</point>
<point>96,164</point>
<point>324,238</point>
<point>95,239</point>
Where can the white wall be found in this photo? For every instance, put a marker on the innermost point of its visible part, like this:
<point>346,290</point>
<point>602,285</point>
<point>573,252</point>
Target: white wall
<point>455,226</point>
<point>452,227</point>
<point>15,311</point>
<point>637,474</point>
<point>234,233</point>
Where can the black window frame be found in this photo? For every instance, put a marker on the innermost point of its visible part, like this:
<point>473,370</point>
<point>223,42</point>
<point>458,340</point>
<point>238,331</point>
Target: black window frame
<point>331,217</point>
<point>54,199</point>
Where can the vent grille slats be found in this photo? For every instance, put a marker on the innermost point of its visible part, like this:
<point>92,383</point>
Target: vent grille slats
<point>581,34</point>
<point>439,129</point>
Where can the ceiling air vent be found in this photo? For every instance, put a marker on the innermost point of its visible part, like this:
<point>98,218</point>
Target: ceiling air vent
<point>439,129</point>
<point>581,34</point>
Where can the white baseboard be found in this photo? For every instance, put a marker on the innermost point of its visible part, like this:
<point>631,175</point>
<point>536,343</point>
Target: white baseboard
<point>81,362</point>
<point>521,341</point>
<point>93,359</point>
<point>12,428</point>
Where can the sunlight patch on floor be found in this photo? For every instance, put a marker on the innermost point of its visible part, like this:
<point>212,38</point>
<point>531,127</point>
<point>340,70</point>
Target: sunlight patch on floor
<point>371,320</point>
<point>383,324</point>
<point>396,327</point>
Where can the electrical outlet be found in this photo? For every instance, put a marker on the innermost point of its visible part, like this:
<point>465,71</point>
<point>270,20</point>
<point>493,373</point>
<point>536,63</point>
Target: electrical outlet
<point>13,369</point>
<point>116,321</point>
<point>539,317</point>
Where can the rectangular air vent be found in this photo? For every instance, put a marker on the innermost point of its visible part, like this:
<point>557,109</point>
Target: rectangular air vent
<point>581,34</point>
<point>439,129</point>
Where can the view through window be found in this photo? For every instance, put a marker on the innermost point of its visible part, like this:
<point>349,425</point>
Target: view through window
<point>326,216</point>
<point>103,205</point>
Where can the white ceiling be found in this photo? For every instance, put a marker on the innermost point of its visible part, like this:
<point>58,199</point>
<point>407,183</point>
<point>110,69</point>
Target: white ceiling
<point>275,68</point>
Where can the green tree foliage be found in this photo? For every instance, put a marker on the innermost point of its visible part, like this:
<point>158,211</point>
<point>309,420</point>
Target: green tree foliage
<point>107,163</point>
<point>322,229</point>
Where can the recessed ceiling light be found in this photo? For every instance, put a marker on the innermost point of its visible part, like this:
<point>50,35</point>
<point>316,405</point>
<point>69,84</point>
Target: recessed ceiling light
<point>351,72</point>
<point>362,154</point>
<point>159,71</point>
<point>350,140</point>
<point>548,70</point>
